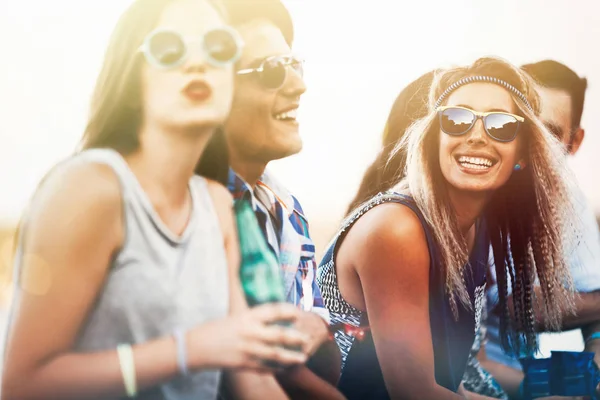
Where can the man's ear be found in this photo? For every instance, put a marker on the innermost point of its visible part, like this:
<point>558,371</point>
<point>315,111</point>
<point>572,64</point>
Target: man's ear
<point>576,140</point>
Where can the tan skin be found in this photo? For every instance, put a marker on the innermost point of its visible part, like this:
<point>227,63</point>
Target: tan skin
<point>74,228</point>
<point>383,263</point>
<point>556,113</point>
<point>255,137</point>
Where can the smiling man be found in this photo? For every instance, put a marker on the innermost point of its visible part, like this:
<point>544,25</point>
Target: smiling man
<point>262,127</point>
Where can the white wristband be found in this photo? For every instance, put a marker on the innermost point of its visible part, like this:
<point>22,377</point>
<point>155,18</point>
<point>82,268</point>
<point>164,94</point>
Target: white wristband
<point>127,364</point>
<point>182,363</point>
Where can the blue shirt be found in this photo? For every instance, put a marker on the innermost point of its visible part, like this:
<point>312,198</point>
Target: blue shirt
<point>285,227</point>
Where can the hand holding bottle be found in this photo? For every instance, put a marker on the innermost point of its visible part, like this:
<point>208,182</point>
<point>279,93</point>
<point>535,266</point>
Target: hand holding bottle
<point>248,340</point>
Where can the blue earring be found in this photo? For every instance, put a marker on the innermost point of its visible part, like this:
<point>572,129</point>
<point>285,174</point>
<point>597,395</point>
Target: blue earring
<point>517,167</point>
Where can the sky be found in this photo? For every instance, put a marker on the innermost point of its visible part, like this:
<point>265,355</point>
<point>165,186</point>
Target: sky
<point>359,55</point>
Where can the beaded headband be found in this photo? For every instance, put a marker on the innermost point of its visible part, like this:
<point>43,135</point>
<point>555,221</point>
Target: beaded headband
<point>486,79</point>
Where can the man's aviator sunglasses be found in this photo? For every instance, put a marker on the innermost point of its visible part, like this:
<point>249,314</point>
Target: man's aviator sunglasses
<point>272,71</point>
<point>499,125</point>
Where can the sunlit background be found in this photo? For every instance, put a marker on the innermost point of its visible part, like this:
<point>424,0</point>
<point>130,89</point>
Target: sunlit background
<point>359,55</point>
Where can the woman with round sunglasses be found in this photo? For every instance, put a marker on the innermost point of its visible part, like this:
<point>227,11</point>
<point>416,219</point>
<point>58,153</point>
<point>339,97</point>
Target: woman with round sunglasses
<point>404,279</point>
<point>127,264</point>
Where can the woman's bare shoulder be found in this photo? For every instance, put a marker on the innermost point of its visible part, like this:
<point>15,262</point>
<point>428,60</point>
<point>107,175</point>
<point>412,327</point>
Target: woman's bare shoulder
<point>74,195</point>
<point>390,231</point>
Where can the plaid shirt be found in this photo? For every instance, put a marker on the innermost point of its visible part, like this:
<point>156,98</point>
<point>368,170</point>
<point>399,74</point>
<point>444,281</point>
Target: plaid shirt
<point>283,223</point>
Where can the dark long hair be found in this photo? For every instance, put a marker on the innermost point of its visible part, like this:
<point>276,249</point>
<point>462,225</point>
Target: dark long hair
<point>115,113</point>
<point>387,170</point>
<point>214,163</point>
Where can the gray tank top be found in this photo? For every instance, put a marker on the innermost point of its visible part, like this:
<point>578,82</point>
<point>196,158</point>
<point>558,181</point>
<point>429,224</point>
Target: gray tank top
<point>159,282</point>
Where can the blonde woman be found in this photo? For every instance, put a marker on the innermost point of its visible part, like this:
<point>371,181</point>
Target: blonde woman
<point>404,279</point>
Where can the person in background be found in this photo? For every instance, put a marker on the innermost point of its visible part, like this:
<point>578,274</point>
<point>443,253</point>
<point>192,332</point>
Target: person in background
<point>127,264</point>
<point>263,127</point>
<point>562,93</point>
<point>387,170</point>
<point>404,279</point>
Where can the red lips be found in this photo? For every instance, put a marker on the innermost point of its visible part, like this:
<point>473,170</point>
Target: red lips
<point>197,91</point>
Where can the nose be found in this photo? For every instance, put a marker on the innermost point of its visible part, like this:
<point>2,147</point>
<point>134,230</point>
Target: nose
<point>477,135</point>
<point>196,61</point>
<point>294,85</point>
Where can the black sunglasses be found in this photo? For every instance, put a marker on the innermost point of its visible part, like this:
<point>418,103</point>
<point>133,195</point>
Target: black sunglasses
<point>272,71</point>
<point>500,126</point>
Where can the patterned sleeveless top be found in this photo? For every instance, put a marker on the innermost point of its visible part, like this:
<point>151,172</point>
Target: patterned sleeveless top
<point>361,376</point>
